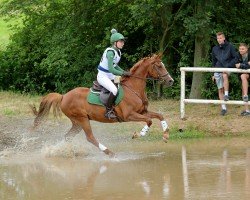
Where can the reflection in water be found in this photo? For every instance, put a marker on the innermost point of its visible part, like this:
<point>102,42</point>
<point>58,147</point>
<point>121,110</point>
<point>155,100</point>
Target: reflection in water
<point>185,172</point>
<point>145,187</point>
<point>166,186</point>
<point>247,179</point>
<point>193,171</point>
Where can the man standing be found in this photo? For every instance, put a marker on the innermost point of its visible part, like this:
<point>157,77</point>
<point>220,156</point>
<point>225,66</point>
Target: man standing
<point>223,56</point>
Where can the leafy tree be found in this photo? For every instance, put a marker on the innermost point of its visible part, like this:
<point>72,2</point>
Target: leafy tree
<point>60,42</point>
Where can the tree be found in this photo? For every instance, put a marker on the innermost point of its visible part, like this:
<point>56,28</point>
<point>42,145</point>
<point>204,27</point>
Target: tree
<point>199,25</point>
<point>60,43</point>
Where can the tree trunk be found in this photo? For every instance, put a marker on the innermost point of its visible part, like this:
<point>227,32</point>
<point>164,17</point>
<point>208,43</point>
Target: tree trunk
<point>159,90</point>
<point>200,55</point>
<point>196,87</point>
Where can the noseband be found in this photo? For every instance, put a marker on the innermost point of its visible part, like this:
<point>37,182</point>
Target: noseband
<point>160,77</point>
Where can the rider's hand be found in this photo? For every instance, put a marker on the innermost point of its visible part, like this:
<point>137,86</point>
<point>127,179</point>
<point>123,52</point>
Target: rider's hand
<point>125,73</point>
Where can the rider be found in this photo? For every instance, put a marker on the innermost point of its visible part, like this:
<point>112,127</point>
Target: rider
<point>108,68</point>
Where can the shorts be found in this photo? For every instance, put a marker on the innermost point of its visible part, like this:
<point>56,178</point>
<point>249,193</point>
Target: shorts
<point>219,79</point>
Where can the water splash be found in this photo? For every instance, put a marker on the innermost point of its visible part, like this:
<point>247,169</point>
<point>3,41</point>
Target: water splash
<point>63,149</point>
<point>23,144</point>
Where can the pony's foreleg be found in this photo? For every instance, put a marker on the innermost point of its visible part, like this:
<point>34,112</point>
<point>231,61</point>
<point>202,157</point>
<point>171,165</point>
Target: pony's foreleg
<point>164,123</point>
<point>138,117</point>
<point>85,124</point>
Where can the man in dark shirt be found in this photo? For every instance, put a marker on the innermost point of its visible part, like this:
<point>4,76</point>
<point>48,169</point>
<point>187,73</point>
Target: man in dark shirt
<point>223,56</point>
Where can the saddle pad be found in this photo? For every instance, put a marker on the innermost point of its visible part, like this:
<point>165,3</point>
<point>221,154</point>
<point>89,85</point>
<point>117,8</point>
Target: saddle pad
<point>93,98</point>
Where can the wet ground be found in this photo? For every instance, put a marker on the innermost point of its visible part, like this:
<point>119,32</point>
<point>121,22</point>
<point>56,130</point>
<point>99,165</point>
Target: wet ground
<point>40,165</point>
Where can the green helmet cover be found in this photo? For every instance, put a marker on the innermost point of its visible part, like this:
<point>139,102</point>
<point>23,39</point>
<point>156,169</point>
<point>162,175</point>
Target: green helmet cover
<point>116,36</point>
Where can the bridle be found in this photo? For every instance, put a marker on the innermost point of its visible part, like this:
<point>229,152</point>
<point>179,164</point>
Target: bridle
<point>159,76</point>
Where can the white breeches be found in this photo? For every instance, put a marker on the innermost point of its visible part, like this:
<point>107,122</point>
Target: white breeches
<point>107,83</point>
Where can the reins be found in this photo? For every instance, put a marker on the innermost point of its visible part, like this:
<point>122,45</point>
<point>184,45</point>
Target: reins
<point>160,78</point>
<point>136,93</point>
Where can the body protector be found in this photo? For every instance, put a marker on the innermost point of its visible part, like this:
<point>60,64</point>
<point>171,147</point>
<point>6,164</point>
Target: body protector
<point>103,65</point>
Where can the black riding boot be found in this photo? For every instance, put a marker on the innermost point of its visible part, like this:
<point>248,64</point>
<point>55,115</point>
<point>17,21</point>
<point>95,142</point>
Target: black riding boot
<point>110,114</point>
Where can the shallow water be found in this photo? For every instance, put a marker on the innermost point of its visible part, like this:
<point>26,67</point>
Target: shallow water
<point>216,168</point>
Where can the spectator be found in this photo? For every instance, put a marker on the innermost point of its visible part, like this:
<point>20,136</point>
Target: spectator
<point>244,63</point>
<point>223,56</point>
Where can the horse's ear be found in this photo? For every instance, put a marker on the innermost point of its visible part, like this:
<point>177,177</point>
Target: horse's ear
<point>159,55</point>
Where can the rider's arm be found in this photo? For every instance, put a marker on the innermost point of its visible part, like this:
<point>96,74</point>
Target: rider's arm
<point>118,68</point>
<point>113,69</point>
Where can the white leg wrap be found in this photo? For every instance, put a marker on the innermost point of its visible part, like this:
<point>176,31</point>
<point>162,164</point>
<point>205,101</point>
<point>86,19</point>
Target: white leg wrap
<point>164,125</point>
<point>144,130</point>
<point>102,147</point>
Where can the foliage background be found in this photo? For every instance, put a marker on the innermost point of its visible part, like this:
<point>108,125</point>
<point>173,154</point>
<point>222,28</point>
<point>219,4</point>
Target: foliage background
<point>58,44</point>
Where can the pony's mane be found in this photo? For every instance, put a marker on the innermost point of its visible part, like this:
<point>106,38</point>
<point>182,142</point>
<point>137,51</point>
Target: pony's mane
<point>139,63</point>
<point>136,65</point>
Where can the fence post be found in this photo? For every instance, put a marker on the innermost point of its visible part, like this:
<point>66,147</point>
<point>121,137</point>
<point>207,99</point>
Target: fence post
<point>182,104</point>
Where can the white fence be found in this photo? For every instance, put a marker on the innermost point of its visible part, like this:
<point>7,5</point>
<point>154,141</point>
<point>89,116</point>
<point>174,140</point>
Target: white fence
<point>183,100</point>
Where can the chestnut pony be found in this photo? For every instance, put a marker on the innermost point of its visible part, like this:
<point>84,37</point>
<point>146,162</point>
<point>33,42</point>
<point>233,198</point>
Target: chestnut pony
<point>133,106</point>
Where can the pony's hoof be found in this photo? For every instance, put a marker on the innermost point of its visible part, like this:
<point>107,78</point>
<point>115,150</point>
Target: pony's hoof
<point>109,153</point>
<point>135,135</point>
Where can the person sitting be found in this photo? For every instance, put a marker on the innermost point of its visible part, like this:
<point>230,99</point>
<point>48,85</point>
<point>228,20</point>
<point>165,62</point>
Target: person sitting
<point>223,56</point>
<point>244,63</point>
<point>108,68</point>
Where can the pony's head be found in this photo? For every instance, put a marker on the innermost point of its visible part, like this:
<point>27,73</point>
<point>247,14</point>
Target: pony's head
<point>158,71</point>
<point>152,67</point>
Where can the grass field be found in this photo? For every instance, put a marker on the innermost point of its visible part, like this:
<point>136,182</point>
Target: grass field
<point>4,33</point>
<point>5,30</point>
<point>201,120</point>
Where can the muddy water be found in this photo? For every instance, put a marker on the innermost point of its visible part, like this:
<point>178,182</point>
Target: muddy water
<point>191,169</point>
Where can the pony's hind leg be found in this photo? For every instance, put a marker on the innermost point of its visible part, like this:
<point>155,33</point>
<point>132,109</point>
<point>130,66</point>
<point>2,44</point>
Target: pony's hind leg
<point>74,130</point>
<point>85,124</point>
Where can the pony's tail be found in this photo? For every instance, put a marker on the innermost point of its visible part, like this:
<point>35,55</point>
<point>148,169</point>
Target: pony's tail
<point>48,101</point>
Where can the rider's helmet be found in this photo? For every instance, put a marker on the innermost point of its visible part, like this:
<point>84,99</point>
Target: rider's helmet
<point>116,36</point>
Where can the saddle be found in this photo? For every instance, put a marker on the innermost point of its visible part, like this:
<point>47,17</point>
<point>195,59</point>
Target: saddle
<point>96,87</point>
<point>101,91</point>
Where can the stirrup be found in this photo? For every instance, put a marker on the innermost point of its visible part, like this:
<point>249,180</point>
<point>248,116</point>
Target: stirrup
<point>110,114</point>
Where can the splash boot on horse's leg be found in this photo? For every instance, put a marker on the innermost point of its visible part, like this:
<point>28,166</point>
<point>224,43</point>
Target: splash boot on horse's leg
<point>110,114</point>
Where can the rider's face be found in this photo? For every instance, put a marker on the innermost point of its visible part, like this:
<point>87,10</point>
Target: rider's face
<point>120,44</point>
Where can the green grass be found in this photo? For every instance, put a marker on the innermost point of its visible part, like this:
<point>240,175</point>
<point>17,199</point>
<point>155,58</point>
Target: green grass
<point>187,134</point>
<point>5,29</point>
<point>175,135</point>
<point>16,104</point>
<point>4,33</point>
<point>199,123</point>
